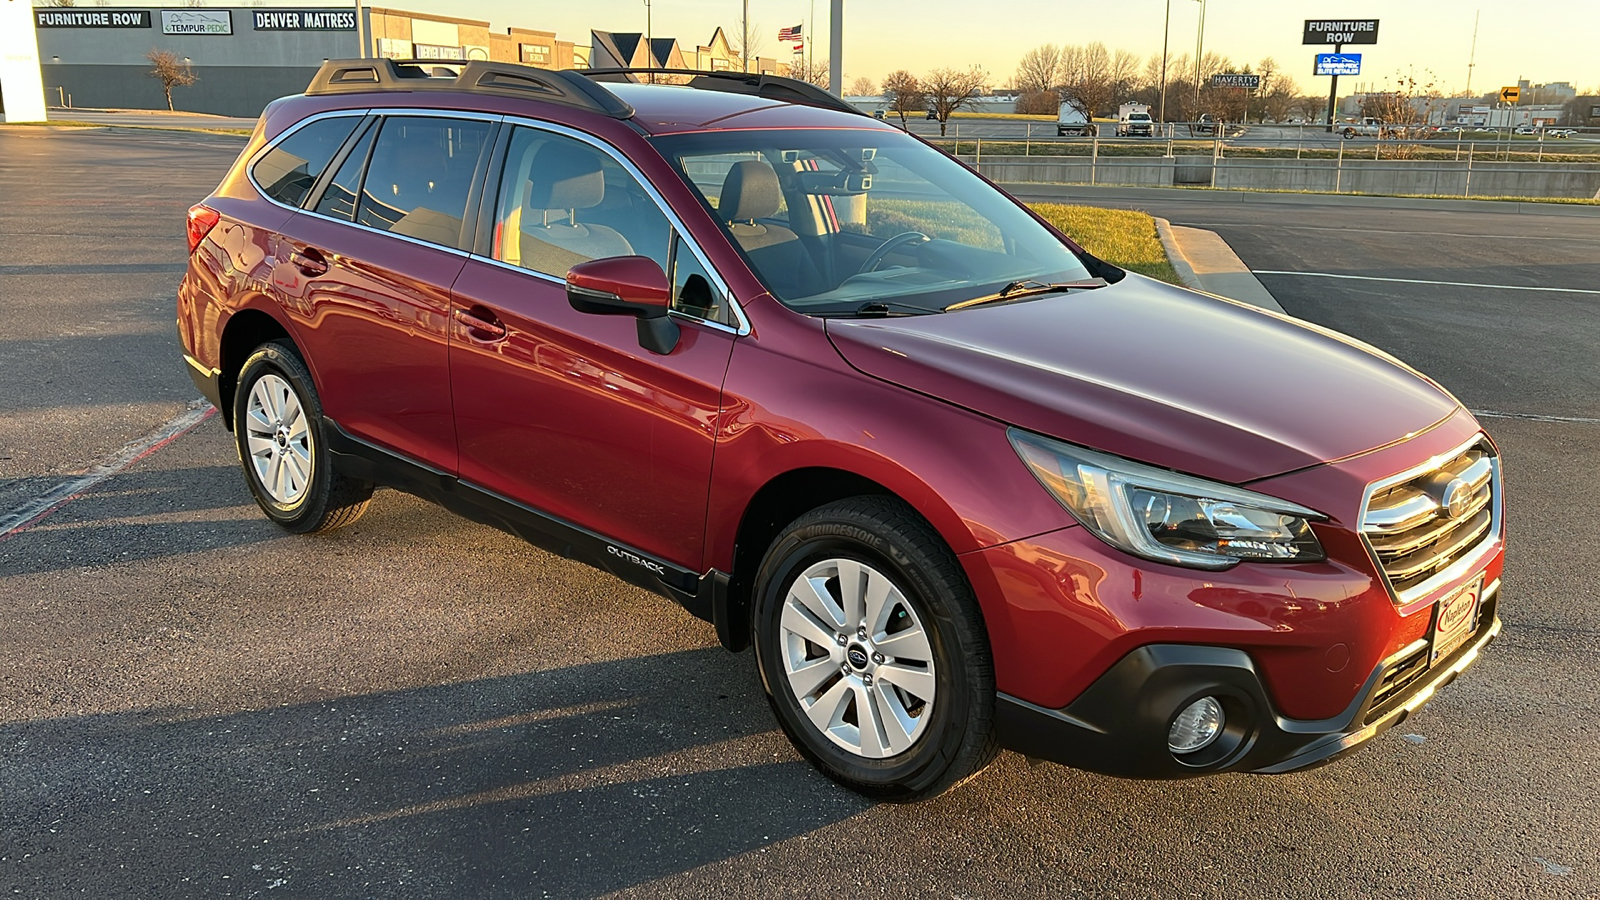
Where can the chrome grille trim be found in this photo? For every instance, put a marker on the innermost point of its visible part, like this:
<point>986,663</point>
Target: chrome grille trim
<point>1417,547</point>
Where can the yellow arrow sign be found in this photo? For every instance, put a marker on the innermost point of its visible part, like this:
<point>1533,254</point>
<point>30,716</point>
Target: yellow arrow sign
<point>1510,94</point>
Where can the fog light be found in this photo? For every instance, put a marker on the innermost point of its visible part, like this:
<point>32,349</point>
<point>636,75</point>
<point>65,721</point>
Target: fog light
<point>1195,727</point>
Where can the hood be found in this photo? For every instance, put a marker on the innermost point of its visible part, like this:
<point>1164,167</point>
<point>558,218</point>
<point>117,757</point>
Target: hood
<point>1157,374</point>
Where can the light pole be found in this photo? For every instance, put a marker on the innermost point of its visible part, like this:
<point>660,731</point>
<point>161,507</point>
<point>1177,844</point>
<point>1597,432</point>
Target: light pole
<point>836,47</point>
<point>1166,31</point>
<point>1199,52</point>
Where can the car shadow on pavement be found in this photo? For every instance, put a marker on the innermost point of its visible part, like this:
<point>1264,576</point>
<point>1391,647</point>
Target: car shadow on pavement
<point>139,516</point>
<point>570,782</point>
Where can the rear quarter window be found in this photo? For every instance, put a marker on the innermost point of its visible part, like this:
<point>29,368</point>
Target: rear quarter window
<point>287,171</point>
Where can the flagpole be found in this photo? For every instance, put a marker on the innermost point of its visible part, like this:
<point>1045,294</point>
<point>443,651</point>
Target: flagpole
<point>811,30</point>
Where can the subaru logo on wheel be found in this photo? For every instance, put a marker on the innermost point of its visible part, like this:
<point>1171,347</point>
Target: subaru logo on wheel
<point>857,657</point>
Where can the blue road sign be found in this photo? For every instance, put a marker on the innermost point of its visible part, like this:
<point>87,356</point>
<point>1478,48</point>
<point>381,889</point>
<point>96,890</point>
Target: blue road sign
<point>1338,64</point>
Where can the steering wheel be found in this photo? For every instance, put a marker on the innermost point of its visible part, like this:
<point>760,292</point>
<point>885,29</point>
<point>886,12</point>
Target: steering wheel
<point>889,246</point>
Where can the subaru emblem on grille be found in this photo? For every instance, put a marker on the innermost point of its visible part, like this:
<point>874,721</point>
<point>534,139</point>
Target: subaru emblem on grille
<point>1457,494</point>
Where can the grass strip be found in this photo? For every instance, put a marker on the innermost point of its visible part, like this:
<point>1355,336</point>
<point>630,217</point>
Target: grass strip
<point>1122,237</point>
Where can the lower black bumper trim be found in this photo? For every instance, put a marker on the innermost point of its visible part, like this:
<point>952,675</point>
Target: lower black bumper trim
<point>1118,726</point>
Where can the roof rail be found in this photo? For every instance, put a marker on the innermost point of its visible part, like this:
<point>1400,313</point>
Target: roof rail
<point>770,87</point>
<point>358,76</point>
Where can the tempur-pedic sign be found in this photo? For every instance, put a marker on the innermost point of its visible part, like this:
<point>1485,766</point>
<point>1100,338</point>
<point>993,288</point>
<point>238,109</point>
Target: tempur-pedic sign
<point>196,21</point>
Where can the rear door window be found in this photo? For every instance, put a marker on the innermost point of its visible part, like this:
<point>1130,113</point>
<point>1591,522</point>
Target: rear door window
<point>563,202</point>
<point>420,173</point>
<point>287,172</point>
<point>339,197</point>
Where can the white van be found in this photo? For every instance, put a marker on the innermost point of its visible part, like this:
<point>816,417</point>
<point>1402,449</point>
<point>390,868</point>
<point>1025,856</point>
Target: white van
<point>1073,121</point>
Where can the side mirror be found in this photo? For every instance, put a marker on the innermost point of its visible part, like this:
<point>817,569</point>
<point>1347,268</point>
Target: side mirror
<point>627,286</point>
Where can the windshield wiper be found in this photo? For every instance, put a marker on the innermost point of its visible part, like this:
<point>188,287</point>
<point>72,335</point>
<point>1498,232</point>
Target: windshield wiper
<point>1016,290</point>
<point>877,308</point>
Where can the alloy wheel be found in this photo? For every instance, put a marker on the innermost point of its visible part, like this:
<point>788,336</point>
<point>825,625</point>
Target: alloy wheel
<point>278,439</point>
<point>857,658</point>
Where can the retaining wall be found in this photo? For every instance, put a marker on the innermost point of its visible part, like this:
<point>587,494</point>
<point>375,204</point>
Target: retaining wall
<point>1387,176</point>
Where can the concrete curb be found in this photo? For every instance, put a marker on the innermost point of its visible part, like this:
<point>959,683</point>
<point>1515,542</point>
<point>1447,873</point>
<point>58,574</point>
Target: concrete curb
<point>1040,190</point>
<point>1205,262</point>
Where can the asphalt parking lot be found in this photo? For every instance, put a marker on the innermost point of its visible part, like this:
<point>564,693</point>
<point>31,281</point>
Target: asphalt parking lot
<point>193,703</point>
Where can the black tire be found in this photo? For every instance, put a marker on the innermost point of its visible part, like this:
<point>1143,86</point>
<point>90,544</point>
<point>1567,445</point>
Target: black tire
<point>958,740</point>
<point>326,499</point>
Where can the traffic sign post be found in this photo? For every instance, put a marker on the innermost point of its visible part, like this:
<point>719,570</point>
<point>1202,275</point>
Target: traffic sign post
<point>1338,32</point>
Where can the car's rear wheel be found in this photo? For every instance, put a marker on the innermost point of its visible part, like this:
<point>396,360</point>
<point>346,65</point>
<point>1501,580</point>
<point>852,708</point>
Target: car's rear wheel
<point>873,650</point>
<point>277,428</point>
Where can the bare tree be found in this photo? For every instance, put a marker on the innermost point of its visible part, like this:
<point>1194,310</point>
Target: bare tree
<point>753,49</point>
<point>950,90</point>
<point>863,87</point>
<point>165,68</point>
<point>1124,74</point>
<point>62,3</point>
<point>1039,70</point>
<point>1087,77</point>
<point>810,71</point>
<point>1039,103</point>
<point>904,93</point>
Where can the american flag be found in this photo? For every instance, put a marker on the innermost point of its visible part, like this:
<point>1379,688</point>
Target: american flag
<point>789,34</point>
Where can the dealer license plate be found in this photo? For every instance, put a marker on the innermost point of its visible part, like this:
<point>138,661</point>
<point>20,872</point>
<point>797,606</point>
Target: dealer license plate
<point>1455,619</point>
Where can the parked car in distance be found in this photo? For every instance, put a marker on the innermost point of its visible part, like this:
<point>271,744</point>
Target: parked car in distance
<point>1207,124</point>
<point>1072,121</point>
<point>1133,120</point>
<point>1366,127</point>
<point>960,484</point>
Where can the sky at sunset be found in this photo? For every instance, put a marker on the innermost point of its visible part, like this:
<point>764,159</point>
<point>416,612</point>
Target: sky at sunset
<point>1547,41</point>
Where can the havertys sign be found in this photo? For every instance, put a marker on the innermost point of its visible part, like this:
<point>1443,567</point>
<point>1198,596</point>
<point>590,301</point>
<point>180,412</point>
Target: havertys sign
<point>1236,80</point>
<point>1341,31</point>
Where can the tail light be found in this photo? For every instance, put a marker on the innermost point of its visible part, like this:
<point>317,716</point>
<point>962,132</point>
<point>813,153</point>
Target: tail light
<point>202,219</point>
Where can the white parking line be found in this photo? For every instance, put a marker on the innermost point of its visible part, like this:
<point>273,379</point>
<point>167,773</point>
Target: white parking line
<point>1467,284</point>
<point>43,505</point>
<point>1533,417</point>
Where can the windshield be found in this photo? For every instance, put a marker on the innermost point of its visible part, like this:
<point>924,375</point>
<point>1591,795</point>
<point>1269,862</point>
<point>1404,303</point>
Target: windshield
<point>836,220</point>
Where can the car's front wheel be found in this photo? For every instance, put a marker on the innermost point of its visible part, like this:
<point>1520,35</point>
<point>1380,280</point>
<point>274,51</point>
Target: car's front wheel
<point>277,427</point>
<point>873,650</point>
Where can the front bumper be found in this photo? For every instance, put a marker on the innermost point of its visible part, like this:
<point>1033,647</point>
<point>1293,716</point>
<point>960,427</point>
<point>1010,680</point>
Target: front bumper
<point>1119,725</point>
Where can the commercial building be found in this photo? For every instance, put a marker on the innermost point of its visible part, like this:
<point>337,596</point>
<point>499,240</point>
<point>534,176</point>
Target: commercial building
<point>244,57</point>
<point>631,50</point>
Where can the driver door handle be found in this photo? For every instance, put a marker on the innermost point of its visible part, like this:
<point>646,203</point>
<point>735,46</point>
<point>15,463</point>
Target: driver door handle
<point>481,323</point>
<point>310,261</point>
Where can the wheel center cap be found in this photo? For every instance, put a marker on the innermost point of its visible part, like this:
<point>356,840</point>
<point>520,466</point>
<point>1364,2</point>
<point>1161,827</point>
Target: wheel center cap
<point>857,655</point>
<point>282,437</point>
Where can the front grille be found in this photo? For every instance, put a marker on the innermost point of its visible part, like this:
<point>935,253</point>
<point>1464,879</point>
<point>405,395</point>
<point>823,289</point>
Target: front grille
<point>1420,523</point>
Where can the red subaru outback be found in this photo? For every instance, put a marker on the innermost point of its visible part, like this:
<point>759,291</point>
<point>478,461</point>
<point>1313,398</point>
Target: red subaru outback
<point>961,484</point>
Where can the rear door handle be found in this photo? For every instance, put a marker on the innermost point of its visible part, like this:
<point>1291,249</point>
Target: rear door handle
<point>309,261</point>
<point>481,323</point>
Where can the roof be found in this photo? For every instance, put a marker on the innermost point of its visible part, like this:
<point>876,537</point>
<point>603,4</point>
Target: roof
<point>670,109</point>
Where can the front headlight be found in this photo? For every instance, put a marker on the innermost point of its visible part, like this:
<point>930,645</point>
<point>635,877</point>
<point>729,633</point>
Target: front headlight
<point>1165,516</point>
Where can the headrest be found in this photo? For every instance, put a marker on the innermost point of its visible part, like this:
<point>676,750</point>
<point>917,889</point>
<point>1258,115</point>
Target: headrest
<point>749,192</point>
<point>564,176</point>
